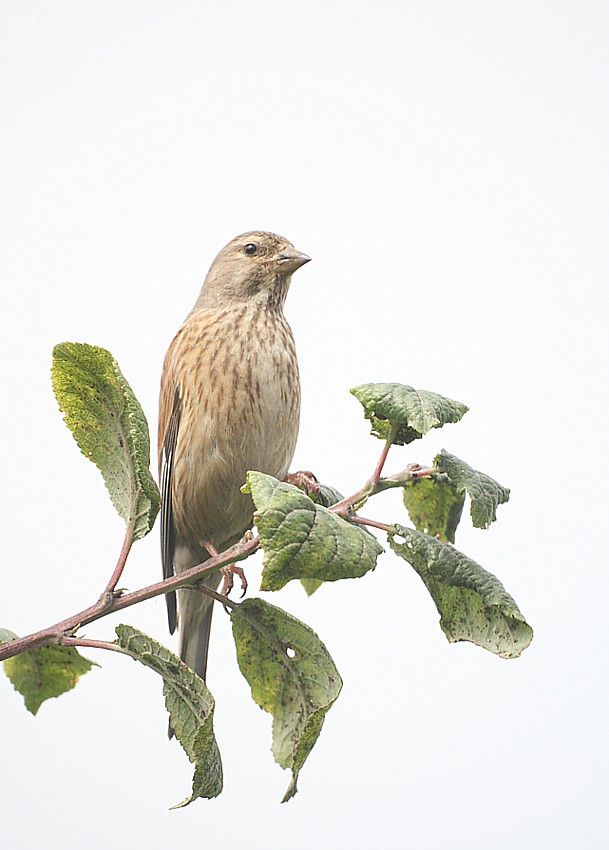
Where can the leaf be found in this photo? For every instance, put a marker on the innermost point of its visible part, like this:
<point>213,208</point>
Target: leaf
<point>434,506</point>
<point>190,706</point>
<point>472,603</point>
<point>292,676</point>
<point>304,540</point>
<point>45,672</point>
<point>484,492</point>
<point>6,636</point>
<point>328,496</point>
<point>110,428</point>
<point>403,413</point>
<point>311,585</point>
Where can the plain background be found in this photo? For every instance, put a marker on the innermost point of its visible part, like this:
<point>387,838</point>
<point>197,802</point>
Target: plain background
<point>446,166</point>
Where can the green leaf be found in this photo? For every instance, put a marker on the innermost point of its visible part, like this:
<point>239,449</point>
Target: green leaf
<point>484,492</point>
<point>190,706</point>
<point>311,585</point>
<point>434,506</point>
<point>304,540</point>
<point>472,603</point>
<point>292,676</point>
<point>328,496</point>
<point>6,636</point>
<point>403,413</point>
<point>45,672</point>
<point>110,428</point>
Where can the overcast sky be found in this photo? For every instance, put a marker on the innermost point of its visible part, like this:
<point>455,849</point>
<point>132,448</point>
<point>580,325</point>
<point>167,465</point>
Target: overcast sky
<point>445,164</point>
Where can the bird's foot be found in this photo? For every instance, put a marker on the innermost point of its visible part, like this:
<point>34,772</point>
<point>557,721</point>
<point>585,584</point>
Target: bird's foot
<point>229,572</point>
<point>305,480</point>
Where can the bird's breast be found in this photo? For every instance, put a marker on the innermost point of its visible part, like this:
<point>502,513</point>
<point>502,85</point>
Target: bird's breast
<point>240,395</point>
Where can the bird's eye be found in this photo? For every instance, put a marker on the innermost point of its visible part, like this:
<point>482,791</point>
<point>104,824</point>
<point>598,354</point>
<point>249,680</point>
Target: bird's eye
<point>250,248</point>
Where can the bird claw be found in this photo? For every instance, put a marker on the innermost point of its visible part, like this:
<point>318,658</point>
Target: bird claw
<point>304,480</point>
<point>229,572</point>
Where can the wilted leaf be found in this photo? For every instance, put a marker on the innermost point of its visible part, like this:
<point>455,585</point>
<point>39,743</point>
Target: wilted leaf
<point>405,413</point>
<point>45,672</point>
<point>292,676</point>
<point>110,428</point>
<point>190,706</point>
<point>434,505</point>
<point>472,603</point>
<point>304,540</point>
<point>484,492</point>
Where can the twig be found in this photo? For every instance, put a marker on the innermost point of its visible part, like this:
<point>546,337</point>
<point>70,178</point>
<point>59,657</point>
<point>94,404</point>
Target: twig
<point>347,506</point>
<point>360,520</point>
<point>89,642</point>
<point>219,597</point>
<point>381,461</point>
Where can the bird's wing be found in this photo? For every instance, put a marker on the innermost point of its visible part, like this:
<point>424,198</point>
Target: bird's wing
<point>171,415</point>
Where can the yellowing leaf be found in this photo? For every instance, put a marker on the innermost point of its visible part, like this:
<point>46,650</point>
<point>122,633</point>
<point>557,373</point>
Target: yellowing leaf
<point>110,428</point>
<point>190,706</point>
<point>472,603</point>
<point>292,676</point>
<point>45,672</point>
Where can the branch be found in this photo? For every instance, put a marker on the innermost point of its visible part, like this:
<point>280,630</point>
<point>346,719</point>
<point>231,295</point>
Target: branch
<point>109,603</point>
<point>112,601</point>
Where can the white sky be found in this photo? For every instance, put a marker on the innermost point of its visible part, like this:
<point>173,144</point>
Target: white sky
<point>446,166</point>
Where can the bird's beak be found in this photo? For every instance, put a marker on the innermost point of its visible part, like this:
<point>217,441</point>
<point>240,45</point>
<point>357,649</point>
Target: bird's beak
<point>291,259</point>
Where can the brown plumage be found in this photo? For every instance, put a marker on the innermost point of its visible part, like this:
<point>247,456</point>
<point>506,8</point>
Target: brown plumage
<point>230,402</point>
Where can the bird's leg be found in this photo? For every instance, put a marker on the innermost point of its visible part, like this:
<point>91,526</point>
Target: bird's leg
<point>230,570</point>
<point>305,480</point>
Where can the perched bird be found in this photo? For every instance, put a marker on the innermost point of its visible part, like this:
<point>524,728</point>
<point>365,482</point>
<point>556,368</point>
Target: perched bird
<point>229,402</point>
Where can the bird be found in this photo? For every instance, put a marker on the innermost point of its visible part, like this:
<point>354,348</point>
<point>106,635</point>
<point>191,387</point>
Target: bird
<point>229,402</point>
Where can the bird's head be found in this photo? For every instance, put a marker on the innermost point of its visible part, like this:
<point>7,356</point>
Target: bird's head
<point>256,266</point>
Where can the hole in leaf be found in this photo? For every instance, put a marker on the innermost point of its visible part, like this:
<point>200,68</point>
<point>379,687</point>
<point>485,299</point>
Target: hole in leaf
<point>291,653</point>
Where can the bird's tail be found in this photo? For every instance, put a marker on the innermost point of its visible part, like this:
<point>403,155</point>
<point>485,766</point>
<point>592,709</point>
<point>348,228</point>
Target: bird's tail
<point>194,619</point>
<point>195,629</point>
